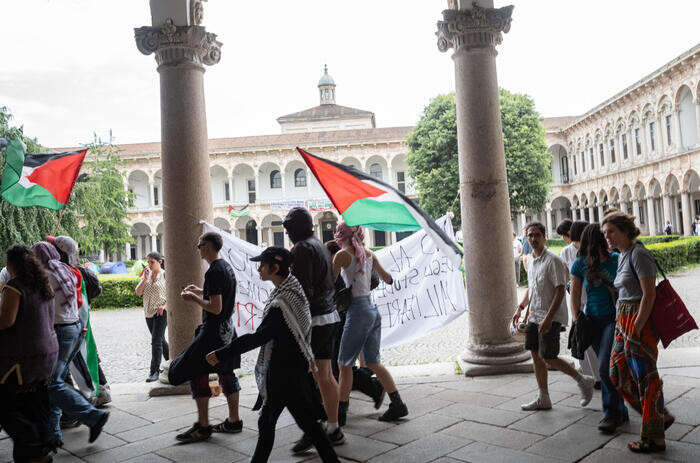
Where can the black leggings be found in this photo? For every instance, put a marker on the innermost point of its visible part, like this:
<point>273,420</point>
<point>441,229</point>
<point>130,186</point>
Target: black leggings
<point>159,346</point>
<point>301,411</point>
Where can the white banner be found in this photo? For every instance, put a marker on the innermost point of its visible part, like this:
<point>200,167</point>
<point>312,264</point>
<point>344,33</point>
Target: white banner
<point>427,294</point>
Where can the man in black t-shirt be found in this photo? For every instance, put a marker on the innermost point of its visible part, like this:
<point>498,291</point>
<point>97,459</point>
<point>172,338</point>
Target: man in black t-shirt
<point>217,299</point>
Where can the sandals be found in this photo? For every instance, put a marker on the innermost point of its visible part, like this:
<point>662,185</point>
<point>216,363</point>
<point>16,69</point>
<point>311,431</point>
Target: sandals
<point>668,421</point>
<point>645,446</point>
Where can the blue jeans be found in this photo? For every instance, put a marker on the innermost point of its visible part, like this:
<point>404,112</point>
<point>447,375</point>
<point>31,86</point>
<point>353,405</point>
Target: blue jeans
<point>62,396</point>
<point>604,335</point>
<point>362,333</point>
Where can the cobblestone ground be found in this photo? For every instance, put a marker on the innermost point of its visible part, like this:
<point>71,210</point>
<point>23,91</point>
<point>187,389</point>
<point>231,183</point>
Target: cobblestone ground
<point>124,342</point>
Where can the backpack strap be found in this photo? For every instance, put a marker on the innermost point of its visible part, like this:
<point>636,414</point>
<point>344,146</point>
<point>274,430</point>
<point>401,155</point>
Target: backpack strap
<point>658,267</point>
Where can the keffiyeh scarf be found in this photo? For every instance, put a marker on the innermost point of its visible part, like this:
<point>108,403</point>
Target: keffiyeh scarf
<point>290,299</point>
<point>48,256</point>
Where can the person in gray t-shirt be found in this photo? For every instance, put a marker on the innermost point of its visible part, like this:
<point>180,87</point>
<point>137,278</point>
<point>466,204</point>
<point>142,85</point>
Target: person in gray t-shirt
<point>633,358</point>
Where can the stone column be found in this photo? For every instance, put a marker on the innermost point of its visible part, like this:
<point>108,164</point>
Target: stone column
<point>154,248</point>
<point>591,214</point>
<point>521,223</point>
<point>677,129</point>
<point>548,220</point>
<point>232,197</point>
<point>151,202</point>
<point>127,250</point>
<point>651,219</point>
<point>181,48</point>
<point>601,212</point>
<point>667,204</point>
<point>635,210</point>
<point>473,32</point>
<point>697,119</point>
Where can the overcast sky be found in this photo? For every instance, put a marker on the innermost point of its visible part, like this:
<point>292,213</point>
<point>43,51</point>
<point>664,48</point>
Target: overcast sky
<point>71,67</point>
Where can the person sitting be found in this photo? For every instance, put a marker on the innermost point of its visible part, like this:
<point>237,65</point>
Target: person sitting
<point>28,351</point>
<point>285,360</point>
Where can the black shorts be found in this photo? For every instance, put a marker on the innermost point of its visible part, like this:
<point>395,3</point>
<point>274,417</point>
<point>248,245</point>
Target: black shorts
<point>547,344</point>
<point>323,340</point>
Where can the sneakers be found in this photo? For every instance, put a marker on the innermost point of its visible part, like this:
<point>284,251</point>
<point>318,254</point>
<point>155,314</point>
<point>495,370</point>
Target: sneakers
<point>337,437</point>
<point>304,444</point>
<point>395,411</point>
<point>540,403</point>
<point>228,427</point>
<point>196,433</point>
<point>343,413</point>
<point>96,430</point>
<point>67,423</point>
<point>153,377</point>
<point>609,425</point>
<point>104,396</point>
<point>585,385</point>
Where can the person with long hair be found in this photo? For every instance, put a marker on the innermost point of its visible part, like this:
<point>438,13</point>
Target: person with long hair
<point>64,398</point>
<point>28,346</point>
<point>635,350</point>
<point>362,331</point>
<point>152,288</point>
<point>595,269</point>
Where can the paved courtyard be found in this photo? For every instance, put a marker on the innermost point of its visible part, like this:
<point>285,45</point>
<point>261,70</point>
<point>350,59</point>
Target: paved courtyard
<point>452,419</point>
<point>125,350</point>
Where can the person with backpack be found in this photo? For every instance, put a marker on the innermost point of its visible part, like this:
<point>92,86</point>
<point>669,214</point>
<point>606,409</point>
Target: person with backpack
<point>594,271</point>
<point>635,350</point>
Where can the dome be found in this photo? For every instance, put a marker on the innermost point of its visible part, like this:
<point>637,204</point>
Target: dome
<point>325,78</point>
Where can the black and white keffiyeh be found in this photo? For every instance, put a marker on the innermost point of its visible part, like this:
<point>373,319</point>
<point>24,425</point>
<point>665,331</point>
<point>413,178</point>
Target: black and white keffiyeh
<point>290,299</point>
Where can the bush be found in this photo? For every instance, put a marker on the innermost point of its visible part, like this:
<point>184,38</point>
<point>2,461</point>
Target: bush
<point>658,239</point>
<point>672,255</point>
<point>118,294</point>
<point>556,242</point>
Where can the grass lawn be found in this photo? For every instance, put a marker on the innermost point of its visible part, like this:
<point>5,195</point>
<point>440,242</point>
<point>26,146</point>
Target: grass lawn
<point>118,276</point>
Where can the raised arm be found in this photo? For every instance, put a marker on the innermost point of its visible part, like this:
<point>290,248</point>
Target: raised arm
<point>383,274</point>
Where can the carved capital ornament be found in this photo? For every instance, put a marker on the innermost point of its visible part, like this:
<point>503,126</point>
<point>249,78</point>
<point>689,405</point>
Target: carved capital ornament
<point>174,45</point>
<point>475,28</point>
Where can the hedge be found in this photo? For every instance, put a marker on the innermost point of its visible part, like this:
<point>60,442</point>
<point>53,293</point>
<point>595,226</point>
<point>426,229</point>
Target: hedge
<point>118,294</point>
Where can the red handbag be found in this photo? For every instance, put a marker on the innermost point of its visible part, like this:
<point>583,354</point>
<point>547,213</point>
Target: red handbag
<point>670,317</point>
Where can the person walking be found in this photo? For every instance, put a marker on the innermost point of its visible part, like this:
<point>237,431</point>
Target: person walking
<point>635,350</point>
<point>594,270</point>
<point>589,364</point>
<point>152,288</point>
<point>282,371</point>
<point>28,352</point>
<point>63,397</point>
<point>216,300</point>
<point>363,324</point>
<point>668,229</point>
<point>517,255</point>
<point>547,276</point>
<point>363,378</point>
<point>313,269</point>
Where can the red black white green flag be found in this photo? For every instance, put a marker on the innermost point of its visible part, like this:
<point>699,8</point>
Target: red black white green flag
<point>44,180</point>
<point>364,200</point>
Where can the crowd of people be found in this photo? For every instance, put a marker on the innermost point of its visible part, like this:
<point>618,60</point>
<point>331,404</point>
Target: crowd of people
<point>610,279</point>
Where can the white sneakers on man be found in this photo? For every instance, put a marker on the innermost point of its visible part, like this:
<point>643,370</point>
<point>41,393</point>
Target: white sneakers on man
<point>585,385</point>
<point>540,403</point>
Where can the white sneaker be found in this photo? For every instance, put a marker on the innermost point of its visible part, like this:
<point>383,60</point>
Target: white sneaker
<point>540,403</point>
<point>586,387</point>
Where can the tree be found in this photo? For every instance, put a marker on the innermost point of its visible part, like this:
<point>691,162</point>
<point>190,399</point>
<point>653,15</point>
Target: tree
<point>433,161</point>
<point>101,201</point>
<point>27,224</point>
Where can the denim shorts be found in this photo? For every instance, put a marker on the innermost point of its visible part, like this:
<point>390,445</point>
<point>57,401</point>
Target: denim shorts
<point>361,334</point>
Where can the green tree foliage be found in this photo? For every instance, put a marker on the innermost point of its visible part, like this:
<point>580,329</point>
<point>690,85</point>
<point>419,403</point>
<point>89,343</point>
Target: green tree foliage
<point>433,161</point>
<point>102,201</point>
<point>95,216</point>
<point>27,224</point>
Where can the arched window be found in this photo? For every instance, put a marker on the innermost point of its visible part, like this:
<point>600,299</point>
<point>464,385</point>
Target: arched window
<point>275,179</point>
<point>564,169</point>
<point>375,170</point>
<point>299,178</point>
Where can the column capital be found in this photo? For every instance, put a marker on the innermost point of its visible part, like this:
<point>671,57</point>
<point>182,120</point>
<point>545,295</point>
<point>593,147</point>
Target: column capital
<point>174,45</point>
<point>475,28</point>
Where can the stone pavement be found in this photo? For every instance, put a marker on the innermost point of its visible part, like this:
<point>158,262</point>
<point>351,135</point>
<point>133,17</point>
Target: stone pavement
<point>452,419</point>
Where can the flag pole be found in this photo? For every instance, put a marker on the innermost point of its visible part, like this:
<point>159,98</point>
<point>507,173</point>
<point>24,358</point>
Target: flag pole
<point>60,216</point>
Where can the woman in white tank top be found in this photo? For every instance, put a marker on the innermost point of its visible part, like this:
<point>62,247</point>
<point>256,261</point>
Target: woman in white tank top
<point>363,323</point>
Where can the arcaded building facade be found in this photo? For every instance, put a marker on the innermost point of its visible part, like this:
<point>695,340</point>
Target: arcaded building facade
<point>638,151</point>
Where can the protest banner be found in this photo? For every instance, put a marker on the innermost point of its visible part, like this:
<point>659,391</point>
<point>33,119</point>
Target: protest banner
<point>428,290</point>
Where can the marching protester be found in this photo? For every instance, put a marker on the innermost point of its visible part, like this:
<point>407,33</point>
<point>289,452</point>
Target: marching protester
<point>633,359</point>
<point>363,379</point>
<point>363,324</point>
<point>285,358</point>
<point>27,344</point>
<point>595,269</point>
<point>152,288</point>
<point>63,397</point>
<point>547,276</point>
<point>589,363</point>
<point>217,300</point>
<point>89,288</point>
<point>312,268</point>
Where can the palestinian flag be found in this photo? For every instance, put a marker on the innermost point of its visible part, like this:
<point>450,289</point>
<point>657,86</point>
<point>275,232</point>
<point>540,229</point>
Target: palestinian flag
<point>239,212</point>
<point>364,200</point>
<point>44,180</point>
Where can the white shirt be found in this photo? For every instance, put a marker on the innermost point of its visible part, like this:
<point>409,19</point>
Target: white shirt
<point>568,255</point>
<point>517,247</point>
<point>544,274</point>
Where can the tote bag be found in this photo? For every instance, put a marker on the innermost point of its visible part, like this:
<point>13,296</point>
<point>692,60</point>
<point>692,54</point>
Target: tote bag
<point>670,317</point>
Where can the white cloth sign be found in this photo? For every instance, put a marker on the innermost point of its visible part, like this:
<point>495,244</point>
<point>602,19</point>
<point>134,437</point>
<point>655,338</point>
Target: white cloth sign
<point>427,294</point>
